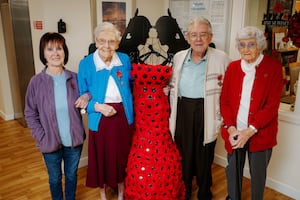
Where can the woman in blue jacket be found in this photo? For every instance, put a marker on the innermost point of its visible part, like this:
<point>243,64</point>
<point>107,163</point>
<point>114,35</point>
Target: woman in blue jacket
<point>105,75</point>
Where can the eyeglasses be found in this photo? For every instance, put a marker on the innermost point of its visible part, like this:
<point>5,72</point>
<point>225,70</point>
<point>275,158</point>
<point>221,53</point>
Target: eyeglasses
<point>202,36</point>
<point>250,45</point>
<point>109,42</point>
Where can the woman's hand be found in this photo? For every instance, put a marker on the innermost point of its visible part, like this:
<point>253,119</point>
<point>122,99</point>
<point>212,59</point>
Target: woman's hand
<point>240,138</point>
<point>82,101</point>
<point>105,109</point>
<point>233,135</point>
<point>167,89</point>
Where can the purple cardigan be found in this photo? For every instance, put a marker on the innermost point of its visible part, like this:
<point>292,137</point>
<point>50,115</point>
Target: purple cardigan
<point>40,114</point>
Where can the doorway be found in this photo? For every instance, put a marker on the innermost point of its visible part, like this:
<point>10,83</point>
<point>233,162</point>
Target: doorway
<point>19,52</point>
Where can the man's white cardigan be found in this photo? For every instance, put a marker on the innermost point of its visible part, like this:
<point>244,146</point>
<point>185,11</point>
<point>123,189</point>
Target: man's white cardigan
<point>216,64</point>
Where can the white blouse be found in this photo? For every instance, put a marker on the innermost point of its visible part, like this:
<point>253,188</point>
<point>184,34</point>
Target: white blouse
<point>112,92</point>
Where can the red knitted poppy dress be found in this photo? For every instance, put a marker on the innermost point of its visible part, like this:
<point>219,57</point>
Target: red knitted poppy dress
<point>154,168</point>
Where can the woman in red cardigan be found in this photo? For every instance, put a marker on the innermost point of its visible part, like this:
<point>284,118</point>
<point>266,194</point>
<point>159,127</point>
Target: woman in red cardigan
<point>249,103</point>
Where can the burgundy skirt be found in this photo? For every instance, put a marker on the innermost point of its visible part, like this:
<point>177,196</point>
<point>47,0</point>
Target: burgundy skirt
<point>108,150</point>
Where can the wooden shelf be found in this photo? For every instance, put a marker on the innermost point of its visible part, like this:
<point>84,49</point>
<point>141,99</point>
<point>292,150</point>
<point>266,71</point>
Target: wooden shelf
<point>288,50</point>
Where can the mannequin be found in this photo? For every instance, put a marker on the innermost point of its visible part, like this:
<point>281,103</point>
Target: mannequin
<point>153,52</point>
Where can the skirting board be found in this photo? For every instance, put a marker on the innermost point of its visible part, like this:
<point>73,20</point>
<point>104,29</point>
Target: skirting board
<point>271,183</point>
<point>6,117</point>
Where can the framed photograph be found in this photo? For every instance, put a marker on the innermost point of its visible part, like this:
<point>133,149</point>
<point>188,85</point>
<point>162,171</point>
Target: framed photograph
<point>117,12</point>
<point>277,34</point>
<point>284,7</point>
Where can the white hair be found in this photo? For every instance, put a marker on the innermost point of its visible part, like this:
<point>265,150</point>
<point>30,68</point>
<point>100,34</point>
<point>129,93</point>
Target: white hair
<point>200,20</point>
<point>107,26</point>
<point>252,32</point>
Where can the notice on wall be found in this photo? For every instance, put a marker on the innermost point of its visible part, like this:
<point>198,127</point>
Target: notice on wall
<point>38,25</point>
<point>216,11</point>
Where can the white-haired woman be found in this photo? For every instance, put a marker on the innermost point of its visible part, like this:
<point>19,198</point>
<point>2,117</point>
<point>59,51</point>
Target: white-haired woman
<point>105,75</point>
<point>249,103</point>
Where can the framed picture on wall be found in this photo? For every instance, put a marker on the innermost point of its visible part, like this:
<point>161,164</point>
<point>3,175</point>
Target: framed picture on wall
<point>117,12</point>
<point>283,7</point>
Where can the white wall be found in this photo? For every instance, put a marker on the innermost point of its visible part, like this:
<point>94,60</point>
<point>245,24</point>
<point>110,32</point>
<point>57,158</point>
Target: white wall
<point>76,15</point>
<point>237,22</point>
<point>152,9</point>
<point>283,172</point>
<point>260,6</point>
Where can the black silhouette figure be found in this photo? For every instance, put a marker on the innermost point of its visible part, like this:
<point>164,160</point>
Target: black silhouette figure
<point>137,32</point>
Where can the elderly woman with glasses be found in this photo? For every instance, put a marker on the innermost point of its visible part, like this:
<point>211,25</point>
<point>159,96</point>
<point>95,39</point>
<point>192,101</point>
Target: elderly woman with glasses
<point>249,104</point>
<point>105,75</point>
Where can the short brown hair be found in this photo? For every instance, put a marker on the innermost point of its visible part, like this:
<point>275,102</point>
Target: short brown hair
<point>55,38</point>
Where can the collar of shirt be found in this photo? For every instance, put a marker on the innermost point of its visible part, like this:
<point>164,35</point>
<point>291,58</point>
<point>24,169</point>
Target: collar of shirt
<point>188,58</point>
<point>115,61</point>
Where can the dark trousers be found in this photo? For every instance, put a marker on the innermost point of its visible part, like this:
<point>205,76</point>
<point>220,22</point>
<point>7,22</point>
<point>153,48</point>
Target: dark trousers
<point>258,163</point>
<point>197,158</point>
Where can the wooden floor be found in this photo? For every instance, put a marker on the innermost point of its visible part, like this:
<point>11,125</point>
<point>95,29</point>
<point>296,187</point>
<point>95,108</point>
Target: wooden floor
<point>23,175</point>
